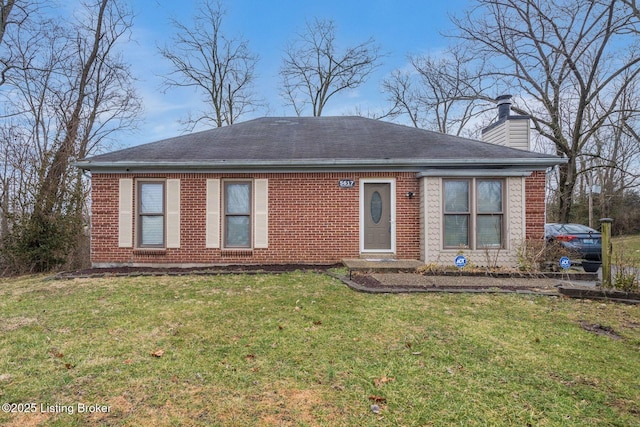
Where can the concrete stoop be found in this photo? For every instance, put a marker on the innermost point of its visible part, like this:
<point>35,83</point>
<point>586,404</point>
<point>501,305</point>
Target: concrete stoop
<point>382,265</point>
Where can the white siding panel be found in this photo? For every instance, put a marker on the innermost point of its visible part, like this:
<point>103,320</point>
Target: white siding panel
<point>497,135</point>
<point>173,213</point>
<point>213,213</point>
<point>125,213</point>
<point>261,214</point>
<point>519,134</point>
<point>513,132</point>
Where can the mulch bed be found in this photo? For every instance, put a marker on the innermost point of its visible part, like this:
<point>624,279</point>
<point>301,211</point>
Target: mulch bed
<point>177,271</point>
<point>405,282</point>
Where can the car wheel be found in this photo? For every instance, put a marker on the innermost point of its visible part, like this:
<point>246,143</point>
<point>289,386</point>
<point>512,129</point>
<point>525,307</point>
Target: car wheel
<point>591,266</point>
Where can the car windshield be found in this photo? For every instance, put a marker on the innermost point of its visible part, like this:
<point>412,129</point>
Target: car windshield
<point>575,228</point>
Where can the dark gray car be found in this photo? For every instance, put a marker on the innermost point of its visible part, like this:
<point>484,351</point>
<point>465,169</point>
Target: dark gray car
<point>579,239</point>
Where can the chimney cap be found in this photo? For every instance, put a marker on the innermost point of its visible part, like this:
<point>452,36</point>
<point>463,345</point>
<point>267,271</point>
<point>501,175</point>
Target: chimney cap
<point>503,99</point>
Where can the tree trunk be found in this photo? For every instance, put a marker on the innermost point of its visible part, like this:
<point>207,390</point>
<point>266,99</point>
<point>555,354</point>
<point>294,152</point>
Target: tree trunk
<point>566,186</point>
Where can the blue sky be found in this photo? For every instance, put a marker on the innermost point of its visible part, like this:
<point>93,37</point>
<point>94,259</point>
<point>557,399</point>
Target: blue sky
<point>400,27</point>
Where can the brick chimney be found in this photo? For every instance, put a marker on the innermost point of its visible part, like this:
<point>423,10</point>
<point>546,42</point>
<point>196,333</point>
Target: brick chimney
<point>509,130</point>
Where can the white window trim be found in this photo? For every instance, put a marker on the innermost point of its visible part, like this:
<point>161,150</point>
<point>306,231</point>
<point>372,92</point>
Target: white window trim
<point>362,182</point>
<point>473,212</point>
<point>216,218</point>
<point>223,215</point>
<point>137,222</point>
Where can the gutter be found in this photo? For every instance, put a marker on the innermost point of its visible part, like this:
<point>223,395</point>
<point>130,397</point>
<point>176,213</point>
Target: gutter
<point>311,165</point>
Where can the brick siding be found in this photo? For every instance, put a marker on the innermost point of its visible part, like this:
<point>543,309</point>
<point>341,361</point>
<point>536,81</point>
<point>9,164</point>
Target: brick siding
<point>535,186</point>
<point>311,219</point>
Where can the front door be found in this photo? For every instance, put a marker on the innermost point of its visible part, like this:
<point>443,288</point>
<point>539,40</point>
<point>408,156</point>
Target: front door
<point>377,216</point>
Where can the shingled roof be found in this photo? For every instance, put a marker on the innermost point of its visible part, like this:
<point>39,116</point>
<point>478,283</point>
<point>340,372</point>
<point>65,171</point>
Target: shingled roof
<point>316,143</point>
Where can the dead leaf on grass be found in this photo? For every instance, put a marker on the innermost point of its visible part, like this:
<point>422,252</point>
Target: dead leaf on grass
<point>55,353</point>
<point>377,399</point>
<point>127,361</point>
<point>383,380</point>
<point>158,353</point>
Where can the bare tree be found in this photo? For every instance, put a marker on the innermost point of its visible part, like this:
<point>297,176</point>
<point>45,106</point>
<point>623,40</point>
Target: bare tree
<point>222,69</point>
<point>569,61</point>
<point>314,69</point>
<point>612,158</point>
<point>72,92</point>
<point>6,19</point>
<point>442,93</point>
<point>635,9</point>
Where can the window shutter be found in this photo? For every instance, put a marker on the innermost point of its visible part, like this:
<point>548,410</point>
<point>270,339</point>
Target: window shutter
<point>125,213</point>
<point>173,213</point>
<point>213,213</point>
<point>261,214</point>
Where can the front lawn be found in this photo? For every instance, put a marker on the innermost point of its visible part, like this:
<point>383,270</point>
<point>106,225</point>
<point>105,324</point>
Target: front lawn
<point>303,349</point>
<point>627,249</point>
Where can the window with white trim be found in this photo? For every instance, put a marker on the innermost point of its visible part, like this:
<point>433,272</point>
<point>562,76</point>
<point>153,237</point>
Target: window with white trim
<point>457,213</point>
<point>489,213</point>
<point>151,214</point>
<point>237,214</point>
<point>473,213</point>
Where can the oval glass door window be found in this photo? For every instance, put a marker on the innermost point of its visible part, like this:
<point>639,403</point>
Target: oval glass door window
<point>376,207</point>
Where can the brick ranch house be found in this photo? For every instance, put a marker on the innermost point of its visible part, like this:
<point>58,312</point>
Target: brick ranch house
<point>318,190</point>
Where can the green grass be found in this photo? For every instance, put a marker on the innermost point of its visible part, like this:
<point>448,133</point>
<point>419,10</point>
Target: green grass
<point>301,349</point>
<point>627,248</point>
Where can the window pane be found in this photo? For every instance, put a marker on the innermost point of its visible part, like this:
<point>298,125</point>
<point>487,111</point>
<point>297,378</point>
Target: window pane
<point>456,196</point>
<point>489,231</point>
<point>151,198</point>
<point>376,207</point>
<point>489,196</point>
<point>456,230</point>
<point>238,231</point>
<point>152,230</point>
<point>237,200</point>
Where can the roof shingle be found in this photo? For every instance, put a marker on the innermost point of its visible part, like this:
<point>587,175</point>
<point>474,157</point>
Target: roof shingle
<point>315,140</point>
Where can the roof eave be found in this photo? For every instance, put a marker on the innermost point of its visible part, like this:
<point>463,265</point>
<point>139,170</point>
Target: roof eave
<point>537,163</point>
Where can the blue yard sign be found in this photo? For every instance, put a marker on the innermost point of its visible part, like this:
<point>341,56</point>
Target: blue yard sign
<point>565,262</point>
<point>460,261</point>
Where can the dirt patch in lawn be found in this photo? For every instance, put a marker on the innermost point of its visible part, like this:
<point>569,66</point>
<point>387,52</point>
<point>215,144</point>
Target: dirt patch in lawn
<point>599,329</point>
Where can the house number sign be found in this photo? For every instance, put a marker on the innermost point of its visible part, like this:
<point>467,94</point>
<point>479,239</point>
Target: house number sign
<point>346,183</point>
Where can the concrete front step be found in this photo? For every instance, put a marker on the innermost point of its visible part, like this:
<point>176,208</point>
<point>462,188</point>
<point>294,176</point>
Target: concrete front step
<point>382,265</point>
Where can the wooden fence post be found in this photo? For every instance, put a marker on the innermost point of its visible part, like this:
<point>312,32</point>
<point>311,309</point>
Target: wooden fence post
<point>607,249</point>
